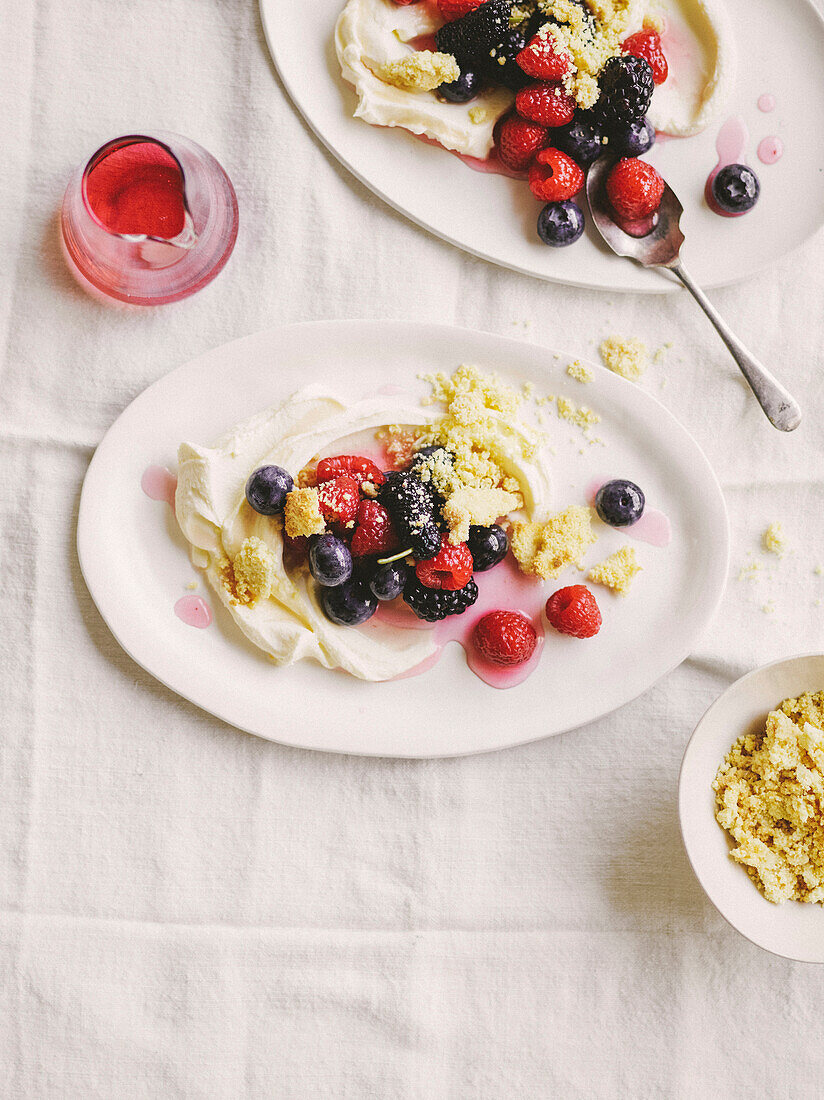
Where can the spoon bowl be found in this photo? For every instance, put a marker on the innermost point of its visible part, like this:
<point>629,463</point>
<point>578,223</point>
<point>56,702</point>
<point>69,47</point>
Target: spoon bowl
<point>659,246</point>
<point>656,242</point>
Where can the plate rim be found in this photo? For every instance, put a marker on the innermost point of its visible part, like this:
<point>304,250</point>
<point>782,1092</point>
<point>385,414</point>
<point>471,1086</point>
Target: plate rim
<point>94,583</point>
<point>683,801</point>
<point>667,285</point>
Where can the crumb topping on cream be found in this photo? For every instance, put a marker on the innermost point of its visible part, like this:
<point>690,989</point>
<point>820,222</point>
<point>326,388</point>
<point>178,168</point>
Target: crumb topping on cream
<point>423,71</point>
<point>301,513</point>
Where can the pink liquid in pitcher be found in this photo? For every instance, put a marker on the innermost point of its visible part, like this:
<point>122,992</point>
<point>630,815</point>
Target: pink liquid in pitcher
<point>138,190</point>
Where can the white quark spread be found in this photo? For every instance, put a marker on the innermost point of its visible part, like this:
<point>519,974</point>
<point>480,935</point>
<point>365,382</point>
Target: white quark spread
<point>700,51</point>
<point>369,33</point>
<point>215,517</point>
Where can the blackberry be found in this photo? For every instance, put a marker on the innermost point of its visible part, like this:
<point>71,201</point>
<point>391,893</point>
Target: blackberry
<point>626,89</point>
<point>433,604</point>
<point>420,456</point>
<point>470,38</point>
<point>501,67</point>
<point>414,511</point>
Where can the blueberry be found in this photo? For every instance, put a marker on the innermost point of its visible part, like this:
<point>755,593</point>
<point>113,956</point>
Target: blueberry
<point>560,223</point>
<point>581,139</point>
<point>619,503</point>
<point>266,489</point>
<point>466,87</point>
<point>488,546</point>
<point>330,561</point>
<point>349,603</point>
<point>736,188</point>
<point>631,139</point>
<point>388,580</point>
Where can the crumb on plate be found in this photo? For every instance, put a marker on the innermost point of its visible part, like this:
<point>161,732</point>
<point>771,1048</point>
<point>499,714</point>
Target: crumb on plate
<point>616,571</point>
<point>547,549</point>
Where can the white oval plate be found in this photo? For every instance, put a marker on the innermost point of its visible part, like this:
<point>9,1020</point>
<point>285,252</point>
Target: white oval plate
<point>794,930</point>
<point>494,217</point>
<point>136,564</point>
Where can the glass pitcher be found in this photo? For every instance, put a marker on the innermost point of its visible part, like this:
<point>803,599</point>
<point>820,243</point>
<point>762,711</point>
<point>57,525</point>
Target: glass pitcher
<point>151,218</point>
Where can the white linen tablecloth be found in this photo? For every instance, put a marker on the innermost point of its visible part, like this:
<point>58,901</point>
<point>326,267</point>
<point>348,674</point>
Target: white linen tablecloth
<point>187,911</point>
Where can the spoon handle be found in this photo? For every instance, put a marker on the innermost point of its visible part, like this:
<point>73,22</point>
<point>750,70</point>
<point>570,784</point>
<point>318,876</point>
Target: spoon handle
<point>782,410</point>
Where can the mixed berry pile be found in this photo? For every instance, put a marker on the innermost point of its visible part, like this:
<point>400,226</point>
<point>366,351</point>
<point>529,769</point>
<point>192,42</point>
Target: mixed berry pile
<point>386,539</point>
<point>547,136</point>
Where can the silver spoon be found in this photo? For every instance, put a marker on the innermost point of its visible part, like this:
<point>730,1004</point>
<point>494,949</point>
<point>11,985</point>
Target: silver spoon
<point>660,247</point>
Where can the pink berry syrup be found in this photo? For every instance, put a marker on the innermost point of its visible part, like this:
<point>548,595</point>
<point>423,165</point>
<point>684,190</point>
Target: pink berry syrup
<point>160,484</point>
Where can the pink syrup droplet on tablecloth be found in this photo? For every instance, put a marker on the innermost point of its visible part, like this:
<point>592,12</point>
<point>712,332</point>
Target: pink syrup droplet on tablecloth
<point>158,483</point>
<point>193,611</point>
<point>766,103</point>
<point>730,146</point>
<point>770,150</point>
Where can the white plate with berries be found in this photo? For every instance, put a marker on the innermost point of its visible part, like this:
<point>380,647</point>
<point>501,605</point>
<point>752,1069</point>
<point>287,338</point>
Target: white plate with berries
<point>755,73</point>
<point>192,629</point>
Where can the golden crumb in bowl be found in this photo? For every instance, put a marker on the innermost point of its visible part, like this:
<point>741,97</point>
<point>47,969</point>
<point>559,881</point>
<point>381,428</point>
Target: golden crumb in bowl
<point>770,799</point>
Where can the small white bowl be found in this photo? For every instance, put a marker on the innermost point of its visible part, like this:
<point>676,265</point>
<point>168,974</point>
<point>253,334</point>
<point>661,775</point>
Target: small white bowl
<point>794,929</point>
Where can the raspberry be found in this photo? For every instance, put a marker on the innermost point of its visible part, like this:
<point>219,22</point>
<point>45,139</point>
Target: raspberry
<point>374,533</point>
<point>455,9</point>
<point>555,176</point>
<point>450,569</point>
<point>647,44</point>
<point>546,103</point>
<point>505,637</point>
<point>634,188</point>
<point>362,469</point>
<point>573,611</point>
<point>339,499</point>
<point>542,58</point>
<point>626,89</point>
<point>519,141</point>
<point>432,604</point>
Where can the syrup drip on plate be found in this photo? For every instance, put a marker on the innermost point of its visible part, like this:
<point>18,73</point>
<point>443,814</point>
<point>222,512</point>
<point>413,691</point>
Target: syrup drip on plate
<point>193,611</point>
<point>770,150</point>
<point>158,483</point>
<point>730,146</point>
